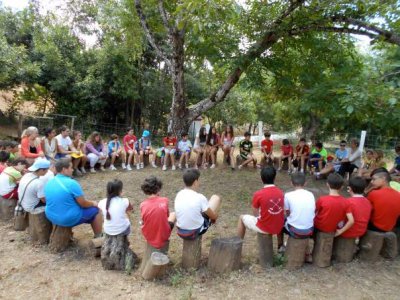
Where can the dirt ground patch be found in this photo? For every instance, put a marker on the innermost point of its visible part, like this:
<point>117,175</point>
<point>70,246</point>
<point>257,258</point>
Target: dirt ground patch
<point>32,271</point>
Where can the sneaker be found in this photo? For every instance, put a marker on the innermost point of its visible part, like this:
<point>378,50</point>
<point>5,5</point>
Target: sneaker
<point>164,168</point>
<point>141,165</point>
<point>186,166</point>
<point>282,249</point>
<point>289,171</point>
<point>128,167</point>
<point>123,166</point>
<point>154,165</point>
<point>173,168</point>
<point>83,170</point>
<point>240,167</point>
<point>212,166</point>
<point>196,166</point>
<point>180,166</point>
<point>138,167</point>
<point>102,168</point>
<point>302,171</point>
<point>92,170</point>
<point>112,168</point>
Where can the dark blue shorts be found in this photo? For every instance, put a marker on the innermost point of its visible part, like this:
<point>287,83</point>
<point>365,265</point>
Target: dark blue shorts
<point>193,234</point>
<point>88,215</point>
<point>60,155</point>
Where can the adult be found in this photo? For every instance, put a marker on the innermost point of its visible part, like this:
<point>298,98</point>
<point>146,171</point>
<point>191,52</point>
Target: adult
<point>30,190</point>
<point>385,202</point>
<point>78,159</point>
<point>213,142</point>
<point>96,151</point>
<point>66,205</point>
<point>353,161</point>
<point>227,145</point>
<point>49,144</point>
<point>200,147</point>
<point>30,145</point>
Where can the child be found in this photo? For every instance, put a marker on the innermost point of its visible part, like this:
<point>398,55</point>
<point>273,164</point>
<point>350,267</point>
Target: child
<point>115,209</point>
<point>286,154</point>
<point>157,221</point>
<point>358,208</point>
<point>318,157</point>
<point>4,157</point>
<point>268,216</point>
<point>194,213</point>
<point>369,158</point>
<point>144,148</point>
<point>267,147</point>
<point>376,163</point>
<point>301,155</point>
<point>245,147</point>
<point>334,165</point>
<point>169,149</point>
<point>184,147</point>
<point>115,151</point>
<point>12,148</point>
<point>396,167</point>
<point>299,210</point>
<point>200,147</point>
<point>79,158</point>
<point>213,142</point>
<point>130,141</point>
<point>228,147</point>
<point>10,177</point>
<point>331,209</point>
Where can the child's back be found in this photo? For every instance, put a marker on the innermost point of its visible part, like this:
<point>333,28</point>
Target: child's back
<point>301,204</point>
<point>330,211</point>
<point>361,209</point>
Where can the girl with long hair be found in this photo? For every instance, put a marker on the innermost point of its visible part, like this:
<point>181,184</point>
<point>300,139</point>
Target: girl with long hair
<point>96,151</point>
<point>200,147</point>
<point>227,145</point>
<point>213,142</point>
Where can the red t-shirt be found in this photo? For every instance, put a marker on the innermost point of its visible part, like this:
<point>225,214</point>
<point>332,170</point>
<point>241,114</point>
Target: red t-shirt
<point>361,208</point>
<point>287,149</point>
<point>155,229</point>
<point>170,141</point>
<point>269,201</point>
<point>304,150</point>
<point>266,146</point>
<point>129,142</point>
<point>385,208</point>
<point>329,212</point>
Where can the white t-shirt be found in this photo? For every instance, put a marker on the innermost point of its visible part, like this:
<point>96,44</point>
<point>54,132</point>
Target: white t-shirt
<point>301,204</point>
<point>184,146</point>
<point>355,157</point>
<point>119,221</point>
<point>188,208</point>
<point>31,198</point>
<point>65,143</point>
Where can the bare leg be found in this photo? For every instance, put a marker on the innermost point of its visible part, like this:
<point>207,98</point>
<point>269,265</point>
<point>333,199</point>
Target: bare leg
<point>172,217</point>
<point>122,155</point>
<point>130,156</point>
<point>215,203</point>
<point>280,239</point>
<point>141,156</point>
<point>181,159</point>
<point>83,161</point>
<point>113,157</point>
<point>97,224</point>
<point>172,155</point>
<point>231,155</point>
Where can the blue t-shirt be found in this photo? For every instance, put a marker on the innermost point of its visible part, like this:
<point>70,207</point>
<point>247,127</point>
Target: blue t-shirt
<point>61,206</point>
<point>111,145</point>
<point>340,154</point>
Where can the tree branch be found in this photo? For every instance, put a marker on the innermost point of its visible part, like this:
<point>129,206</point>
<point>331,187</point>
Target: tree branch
<point>164,17</point>
<point>148,34</point>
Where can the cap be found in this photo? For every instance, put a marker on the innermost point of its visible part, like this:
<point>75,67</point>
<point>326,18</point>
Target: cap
<point>40,163</point>
<point>146,133</point>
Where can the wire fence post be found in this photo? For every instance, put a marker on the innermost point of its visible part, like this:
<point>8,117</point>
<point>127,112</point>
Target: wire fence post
<point>362,139</point>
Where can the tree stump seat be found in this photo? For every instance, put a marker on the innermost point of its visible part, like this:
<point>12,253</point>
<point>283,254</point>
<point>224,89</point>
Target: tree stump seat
<point>60,238</point>
<point>95,245</point>
<point>191,253</point>
<point>7,208</point>
<point>40,228</point>
<point>265,250</point>
<point>389,247</point>
<point>155,266</point>
<point>371,245</point>
<point>225,254</point>
<point>295,252</point>
<point>343,249</point>
<point>116,254</point>
<point>322,252</point>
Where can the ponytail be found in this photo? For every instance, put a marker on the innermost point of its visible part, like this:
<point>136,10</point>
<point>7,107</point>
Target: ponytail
<point>114,189</point>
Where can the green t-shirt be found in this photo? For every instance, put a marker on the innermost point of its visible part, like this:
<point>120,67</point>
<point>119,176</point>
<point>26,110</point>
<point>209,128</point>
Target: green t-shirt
<point>395,185</point>
<point>12,157</point>
<point>245,147</point>
<point>323,153</point>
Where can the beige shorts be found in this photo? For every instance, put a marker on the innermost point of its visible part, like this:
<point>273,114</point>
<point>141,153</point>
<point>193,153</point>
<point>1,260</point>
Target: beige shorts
<point>250,222</point>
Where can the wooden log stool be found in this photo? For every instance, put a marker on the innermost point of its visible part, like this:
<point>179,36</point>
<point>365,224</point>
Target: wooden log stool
<point>343,249</point>
<point>155,266</point>
<point>371,245</point>
<point>94,246</point>
<point>322,252</point>
<point>40,228</point>
<point>225,254</point>
<point>265,250</point>
<point>295,253</point>
<point>397,232</point>
<point>389,248</point>
<point>191,253</point>
<point>21,220</point>
<point>7,207</point>
<point>60,238</point>
<point>146,160</point>
<point>116,254</point>
<point>149,250</point>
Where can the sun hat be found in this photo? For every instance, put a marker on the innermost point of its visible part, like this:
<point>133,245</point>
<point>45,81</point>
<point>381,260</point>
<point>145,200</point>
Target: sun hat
<point>146,133</point>
<point>40,163</point>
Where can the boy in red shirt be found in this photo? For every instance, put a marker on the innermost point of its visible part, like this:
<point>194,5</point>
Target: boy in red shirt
<point>301,155</point>
<point>157,221</point>
<point>331,209</point>
<point>129,145</point>
<point>286,154</point>
<point>385,202</point>
<point>266,148</point>
<point>358,210</point>
<point>169,150</point>
<point>268,213</point>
